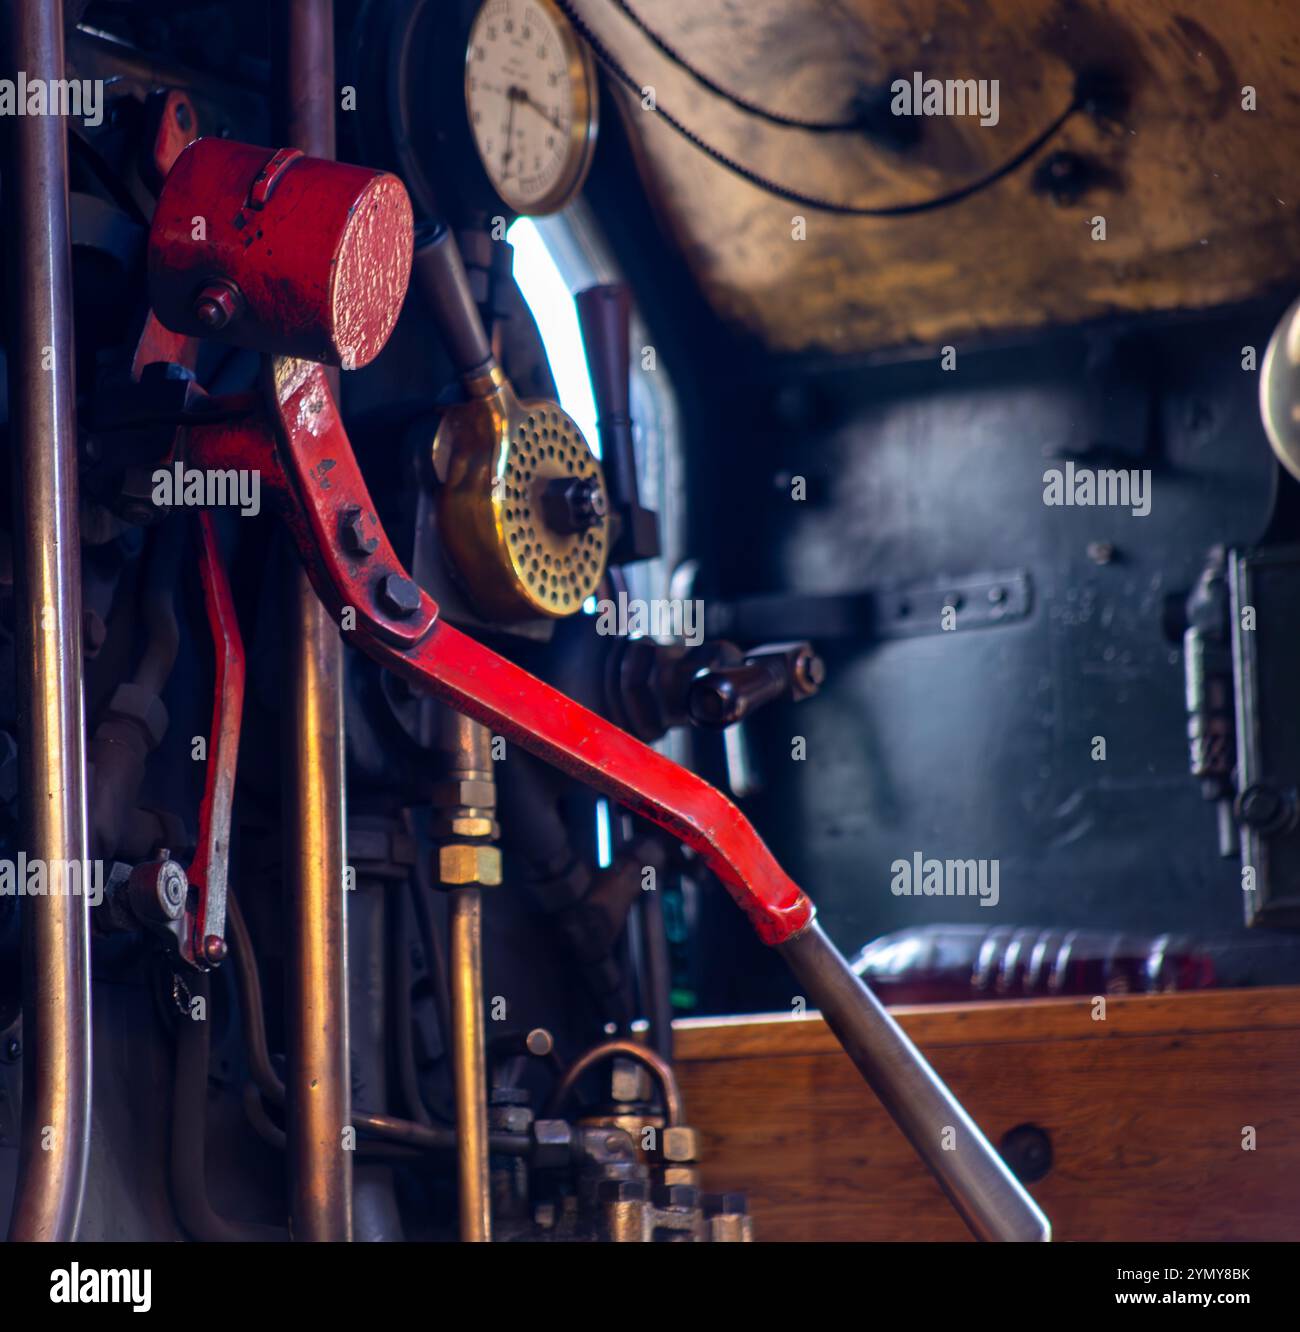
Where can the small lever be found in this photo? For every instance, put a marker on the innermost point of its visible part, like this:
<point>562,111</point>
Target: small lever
<point>604,315</point>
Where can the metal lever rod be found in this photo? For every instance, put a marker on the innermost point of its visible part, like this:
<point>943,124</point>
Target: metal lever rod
<point>979,1184</point>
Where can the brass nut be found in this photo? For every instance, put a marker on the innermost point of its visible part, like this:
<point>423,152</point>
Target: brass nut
<point>680,1144</point>
<point>468,794</point>
<point>462,863</point>
<point>681,1174</point>
<point>629,1082</point>
<point>472,827</point>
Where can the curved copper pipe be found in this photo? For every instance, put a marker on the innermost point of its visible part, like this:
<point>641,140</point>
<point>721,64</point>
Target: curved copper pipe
<point>265,1080</point>
<point>674,1109</point>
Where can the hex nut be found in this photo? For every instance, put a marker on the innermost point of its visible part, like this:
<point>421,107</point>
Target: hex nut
<point>684,1196</point>
<point>469,863</point>
<point>629,1081</point>
<point>552,1143</point>
<point>466,793</point>
<point>132,703</point>
<point>622,1190</point>
<point>731,1228</point>
<point>680,1144</point>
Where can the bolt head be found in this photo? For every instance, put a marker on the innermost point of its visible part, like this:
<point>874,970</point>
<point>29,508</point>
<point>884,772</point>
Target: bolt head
<point>215,949</point>
<point>398,596</point>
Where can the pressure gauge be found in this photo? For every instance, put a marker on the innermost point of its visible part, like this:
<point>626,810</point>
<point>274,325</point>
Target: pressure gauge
<point>530,95</point>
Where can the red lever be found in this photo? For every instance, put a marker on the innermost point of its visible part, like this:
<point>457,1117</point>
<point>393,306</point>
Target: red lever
<point>207,873</point>
<point>389,618</point>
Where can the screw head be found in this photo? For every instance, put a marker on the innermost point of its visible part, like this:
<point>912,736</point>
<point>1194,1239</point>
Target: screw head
<point>398,596</point>
<point>172,888</point>
<point>215,949</point>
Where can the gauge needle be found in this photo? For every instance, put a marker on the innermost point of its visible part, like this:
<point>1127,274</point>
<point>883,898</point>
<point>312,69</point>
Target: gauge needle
<point>526,97</point>
<point>513,96</point>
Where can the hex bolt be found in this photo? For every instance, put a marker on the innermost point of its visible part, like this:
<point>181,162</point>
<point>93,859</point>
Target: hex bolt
<point>216,305</point>
<point>574,504</point>
<point>352,533</point>
<point>398,596</point>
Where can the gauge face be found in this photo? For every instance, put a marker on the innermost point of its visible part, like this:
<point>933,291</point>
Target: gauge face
<point>530,94</point>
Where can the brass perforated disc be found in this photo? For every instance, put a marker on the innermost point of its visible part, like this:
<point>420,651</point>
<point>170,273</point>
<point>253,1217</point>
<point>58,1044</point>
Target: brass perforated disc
<point>518,549</point>
<point>556,571</point>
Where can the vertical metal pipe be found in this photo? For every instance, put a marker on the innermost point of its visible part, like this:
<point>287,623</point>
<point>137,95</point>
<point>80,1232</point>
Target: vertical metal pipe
<point>465,822</point>
<point>470,1062</point>
<point>318,1085</point>
<point>55,1140</point>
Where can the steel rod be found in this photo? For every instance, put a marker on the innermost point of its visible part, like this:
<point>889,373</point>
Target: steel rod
<point>318,1082</point>
<point>991,1200</point>
<point>55,1137</point>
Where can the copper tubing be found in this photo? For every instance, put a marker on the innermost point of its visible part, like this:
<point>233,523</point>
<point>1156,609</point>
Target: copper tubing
<point>469,1062</point>
<point>318,1081</point>
<point>674,1110</point>
<point>55,1139</point>
<point>266,1082</point>
<point>465,824</point>
<point>189,1132</point>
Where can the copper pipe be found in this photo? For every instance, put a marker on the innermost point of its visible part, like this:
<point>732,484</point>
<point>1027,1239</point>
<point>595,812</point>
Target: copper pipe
<point>660,1068</point>
<point>318,1079</point>
<point>465,823</point>
<point>469,1062</point>
<point>194,1208</point>
<point>55,1140</point>
<point>266,1083</point>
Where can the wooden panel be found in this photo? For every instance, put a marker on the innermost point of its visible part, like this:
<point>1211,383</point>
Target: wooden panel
<point>1199,195</point>
<point>1145,1111</point>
